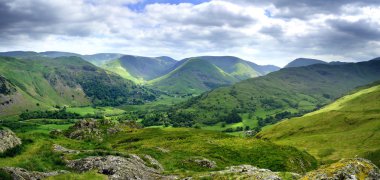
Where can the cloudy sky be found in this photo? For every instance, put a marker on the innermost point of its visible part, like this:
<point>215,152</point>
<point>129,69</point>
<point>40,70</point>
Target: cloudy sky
<point>262,31</point>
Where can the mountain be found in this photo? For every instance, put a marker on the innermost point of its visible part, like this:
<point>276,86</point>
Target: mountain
<point>140,69</point>
<point>97,59</point>
<point>346,128</point>
<point>22,54</point>
<point>239,68</point>
<point>193,76</point>
<point>199,74</point>
<point>287,92</point>
<point>304,62</point>
<point>101,58</point>
<point>42,84</point>
<point>55,54</point>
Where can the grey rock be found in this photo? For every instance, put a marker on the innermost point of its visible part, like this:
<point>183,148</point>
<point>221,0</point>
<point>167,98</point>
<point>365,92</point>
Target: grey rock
<point>203,162</point>
<point>58,148</point>
<point>23,174</point>
<point>8,140</point>
<point>247,172</point>
<point>350,169</point>
<point>117,167</point>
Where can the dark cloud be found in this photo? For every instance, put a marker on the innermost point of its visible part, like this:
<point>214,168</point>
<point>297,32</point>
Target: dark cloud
<point>361,29</point>
<point>275,31</point>
<point>304,9</point>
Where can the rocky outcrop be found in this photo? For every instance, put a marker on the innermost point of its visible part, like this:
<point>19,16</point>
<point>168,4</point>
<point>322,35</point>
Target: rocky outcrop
<point>248,172</point>
<point>90,129</point>
<point>61,149</point>
<point>350,169</point>
<point>203,162</point>
<point>117,167</point>
<point>8,140</point>
<point>22,174</point>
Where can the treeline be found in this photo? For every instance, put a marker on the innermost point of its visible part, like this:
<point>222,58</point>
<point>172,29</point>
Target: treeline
<point>55,114</point>
<point>180,118</point>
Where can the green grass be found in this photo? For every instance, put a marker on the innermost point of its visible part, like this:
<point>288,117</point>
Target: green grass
<point>347,128</point>
<point>172,147</point>
<point>93,175</point>
<point>183,144</point>
<point>107,111</point>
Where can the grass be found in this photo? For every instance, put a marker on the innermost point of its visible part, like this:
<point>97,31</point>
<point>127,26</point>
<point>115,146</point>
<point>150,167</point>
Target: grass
<point>93,175</point>
<point>347,128</point>
<point>107,111</point>
<point>172,147</point>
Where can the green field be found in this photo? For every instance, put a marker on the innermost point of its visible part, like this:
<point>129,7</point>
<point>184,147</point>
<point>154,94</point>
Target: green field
<point>172,147</point>
<point>107,111</point>
<point>347,128</point>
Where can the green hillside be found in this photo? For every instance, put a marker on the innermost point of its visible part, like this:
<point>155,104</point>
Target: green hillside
<point>194,77</point>
<point>239,68</point>
<point>42,84</point>
<point>347,128</point>
<point>283,93</point>
<point>140,69</point>
<point>209,72</point>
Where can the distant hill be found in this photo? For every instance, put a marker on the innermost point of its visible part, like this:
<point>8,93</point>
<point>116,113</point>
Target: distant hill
<point>200,74</point>
<point>22,54</point>
<point>289,91</point>
<point>42,84</point>
<point>304,62</point>
<point>346,128</point>
<point>193,76</point>
<point>140,69</point>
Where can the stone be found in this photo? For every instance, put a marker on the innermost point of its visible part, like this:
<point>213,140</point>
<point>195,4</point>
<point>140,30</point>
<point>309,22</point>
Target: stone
<point>116,167</point>
<point>8,140</point>
<point>350,169</point>
<point>205,163</point>
<point>61,149</point>
<point>23,174</point>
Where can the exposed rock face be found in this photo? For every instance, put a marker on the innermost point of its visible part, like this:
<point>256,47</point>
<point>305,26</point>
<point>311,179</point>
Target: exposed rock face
<point>22,174</point>
<point>249,172</point>
<point>118,167</point>
<point>91,129</point>
<point>8,140</point>
<point>350,169</point>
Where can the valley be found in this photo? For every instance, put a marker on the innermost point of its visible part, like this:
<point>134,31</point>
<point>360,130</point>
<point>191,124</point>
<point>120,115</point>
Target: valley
<point>206,116</point>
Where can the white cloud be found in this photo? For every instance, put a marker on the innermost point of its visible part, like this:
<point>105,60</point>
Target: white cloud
<point>266,33</point>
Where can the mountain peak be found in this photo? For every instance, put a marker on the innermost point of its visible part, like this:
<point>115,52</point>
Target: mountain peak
<point>299,62</point>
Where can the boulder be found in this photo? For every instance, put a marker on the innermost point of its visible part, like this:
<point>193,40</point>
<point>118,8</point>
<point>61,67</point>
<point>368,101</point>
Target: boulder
<point>8,140</point>
<point>203,162</point>
<point>117,167</point>
<point>248,172</point>
<point>350,169</point>
<point>22,174</point>
<point>91,129</point>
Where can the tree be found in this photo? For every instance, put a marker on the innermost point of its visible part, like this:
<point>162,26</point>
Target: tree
<point>233,117</point>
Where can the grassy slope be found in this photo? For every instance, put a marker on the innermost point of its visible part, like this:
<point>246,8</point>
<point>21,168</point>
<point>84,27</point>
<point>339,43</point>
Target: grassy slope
<point>172,147</point>
<point>116,67</point>
<point>348,127</point>
<point>194,76</point>
<point>139,69</point>
<point>290,89</point>
<point>62,81</point>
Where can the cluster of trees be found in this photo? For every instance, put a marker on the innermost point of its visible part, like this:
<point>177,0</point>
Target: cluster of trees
<point>174,118</point>
<point>276,118</point>
<point>57,114</point>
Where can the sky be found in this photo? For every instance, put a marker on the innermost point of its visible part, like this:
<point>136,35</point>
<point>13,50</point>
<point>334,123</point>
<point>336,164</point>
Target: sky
<point>261,31</point>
